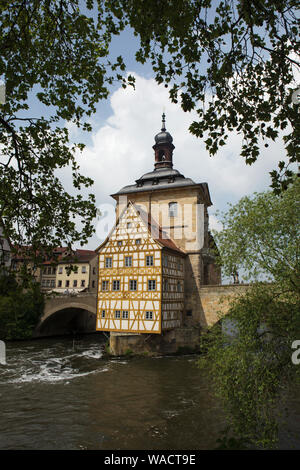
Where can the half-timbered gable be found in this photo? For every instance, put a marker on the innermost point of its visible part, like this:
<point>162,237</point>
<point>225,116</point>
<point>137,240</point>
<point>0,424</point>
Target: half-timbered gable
<point>130,287</point>
<point>131,295</point>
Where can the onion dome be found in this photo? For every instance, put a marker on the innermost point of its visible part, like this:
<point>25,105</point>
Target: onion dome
<point>163,137</point>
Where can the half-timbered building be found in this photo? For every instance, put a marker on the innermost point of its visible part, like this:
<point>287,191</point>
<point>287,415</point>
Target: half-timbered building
<point>159,253</point>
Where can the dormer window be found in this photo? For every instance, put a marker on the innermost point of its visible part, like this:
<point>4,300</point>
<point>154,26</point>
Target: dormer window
<point>173,209</point>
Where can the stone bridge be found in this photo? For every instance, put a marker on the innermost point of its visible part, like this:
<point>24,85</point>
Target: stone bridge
<point>65,314</point>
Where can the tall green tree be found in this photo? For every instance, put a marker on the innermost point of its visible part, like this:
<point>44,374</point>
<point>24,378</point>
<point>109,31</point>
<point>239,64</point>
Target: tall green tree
<point>260,237</point>
<point>54,55</point>
<point>231,61</point>
<point>252,371</point>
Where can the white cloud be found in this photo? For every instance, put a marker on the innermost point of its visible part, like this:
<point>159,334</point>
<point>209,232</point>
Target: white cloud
<point>121,150</point>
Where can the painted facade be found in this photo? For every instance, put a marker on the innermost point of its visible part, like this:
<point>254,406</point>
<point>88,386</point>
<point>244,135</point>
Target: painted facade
<point>174,209</point>
<point>138,278</point>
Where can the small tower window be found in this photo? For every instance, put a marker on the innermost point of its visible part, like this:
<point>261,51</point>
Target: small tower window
<point>173,209</point>
<point>161,155</point>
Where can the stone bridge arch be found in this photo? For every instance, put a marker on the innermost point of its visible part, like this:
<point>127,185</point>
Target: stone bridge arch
<point>68,314</point>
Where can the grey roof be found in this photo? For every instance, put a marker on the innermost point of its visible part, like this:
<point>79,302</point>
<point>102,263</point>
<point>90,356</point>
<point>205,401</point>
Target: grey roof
<point>160,178</point>
<point>163,137</point>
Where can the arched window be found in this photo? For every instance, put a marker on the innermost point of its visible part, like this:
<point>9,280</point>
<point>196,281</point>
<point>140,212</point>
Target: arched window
<point>173,209</point>
<point>161,155</point>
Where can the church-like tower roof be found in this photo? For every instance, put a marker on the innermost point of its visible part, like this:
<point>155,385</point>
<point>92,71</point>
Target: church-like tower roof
<point>163,176</point>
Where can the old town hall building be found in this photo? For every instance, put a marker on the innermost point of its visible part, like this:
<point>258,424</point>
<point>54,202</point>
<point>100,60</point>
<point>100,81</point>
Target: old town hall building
<point>159,253</point>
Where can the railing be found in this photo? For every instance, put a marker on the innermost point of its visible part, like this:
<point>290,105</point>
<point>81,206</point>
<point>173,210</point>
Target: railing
<point>70,294</point>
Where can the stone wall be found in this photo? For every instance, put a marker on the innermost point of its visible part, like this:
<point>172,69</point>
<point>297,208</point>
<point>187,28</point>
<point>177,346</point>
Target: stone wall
<point>169,342</point>
<point>213,301</point>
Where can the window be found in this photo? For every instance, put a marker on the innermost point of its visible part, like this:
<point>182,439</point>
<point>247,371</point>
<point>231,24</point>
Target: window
<point>165,261</point>
<point>45,271</point>
<point>129,224</point>
<point>108,262</point>
<point>75,283</point>
<point>52,283</point>
<point>149,260</point>
<point>59,284</point>
<point>60,270</point>
<point>53,270</point>
<point>49,270</point>
<point>128,261</point>
<point>105,285</point>
<point>189,313</point>
<point>93,284</point>
<point>132,284</point>
<point>83,269</point>
<point>117,314</point>
<point>116,285</point>
<point>173,209</point>
<point>149,315</point>
<point>44,283</point>
<point>179,266</point>
<point>94,270</point>
<point>82,283</point>
<point>138,241</point>
<point>179,289</point>
<point>125,314</point>
<point>103,314</point>
<point>67,283</point>
<point>151,284</point>
<point>166,285</point>
<point>119,243</point>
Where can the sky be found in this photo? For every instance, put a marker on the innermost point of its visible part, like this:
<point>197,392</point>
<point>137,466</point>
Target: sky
<point>119,151</point>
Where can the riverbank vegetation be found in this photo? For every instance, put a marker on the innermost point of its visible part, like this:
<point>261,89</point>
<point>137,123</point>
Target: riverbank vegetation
<point>251,366</point>
<point>20,308</point>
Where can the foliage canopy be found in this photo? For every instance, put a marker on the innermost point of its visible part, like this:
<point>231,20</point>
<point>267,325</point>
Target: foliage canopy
<point>53,53</point>
<point>231,61</point>
<point>20,308</point>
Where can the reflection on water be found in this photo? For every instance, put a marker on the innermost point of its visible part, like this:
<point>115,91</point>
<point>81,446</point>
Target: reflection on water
<point>59,395</point>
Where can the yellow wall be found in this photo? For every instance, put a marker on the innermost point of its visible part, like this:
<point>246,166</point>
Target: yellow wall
<point>79,276</point>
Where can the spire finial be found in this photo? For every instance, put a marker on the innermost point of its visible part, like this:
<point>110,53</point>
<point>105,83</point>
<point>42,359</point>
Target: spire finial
<point>163,122</point>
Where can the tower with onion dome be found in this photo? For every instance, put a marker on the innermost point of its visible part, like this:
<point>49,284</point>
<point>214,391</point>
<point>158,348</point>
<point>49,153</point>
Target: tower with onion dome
<point>167,213</point>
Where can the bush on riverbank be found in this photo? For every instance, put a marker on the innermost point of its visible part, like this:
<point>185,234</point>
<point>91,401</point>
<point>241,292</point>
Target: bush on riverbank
<point>20,309</point>
<point>252,370</point>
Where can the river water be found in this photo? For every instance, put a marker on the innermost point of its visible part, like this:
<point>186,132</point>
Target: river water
<point>63,394</point>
